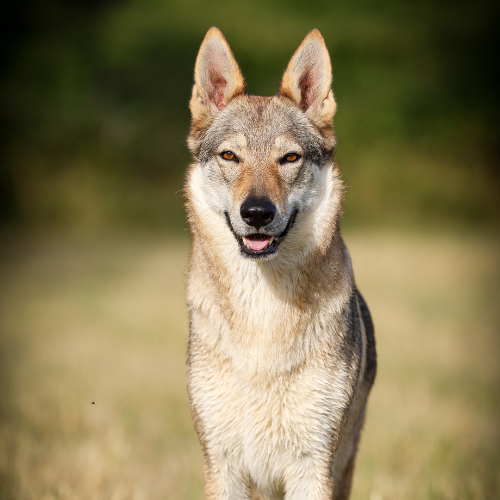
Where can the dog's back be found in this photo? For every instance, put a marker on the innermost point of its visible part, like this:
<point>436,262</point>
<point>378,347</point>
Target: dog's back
<point>281,351</point>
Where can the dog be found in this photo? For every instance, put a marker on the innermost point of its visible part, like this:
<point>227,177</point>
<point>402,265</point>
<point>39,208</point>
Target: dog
<point>281,351</point>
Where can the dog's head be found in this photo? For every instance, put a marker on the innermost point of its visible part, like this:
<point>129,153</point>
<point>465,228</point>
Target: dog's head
<point>264,164</point>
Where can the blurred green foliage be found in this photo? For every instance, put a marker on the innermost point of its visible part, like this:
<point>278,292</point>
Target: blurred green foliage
<point>94,104</point>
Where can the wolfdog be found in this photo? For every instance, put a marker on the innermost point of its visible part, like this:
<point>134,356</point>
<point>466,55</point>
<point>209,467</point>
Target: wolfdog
<point>281,353</point>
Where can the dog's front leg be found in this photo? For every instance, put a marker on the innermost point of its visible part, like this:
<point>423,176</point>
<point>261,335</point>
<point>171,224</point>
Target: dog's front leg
<point>309,480</point>
<point>224,482</point>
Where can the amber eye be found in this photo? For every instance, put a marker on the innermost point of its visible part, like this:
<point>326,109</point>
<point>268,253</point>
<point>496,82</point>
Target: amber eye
<point>228,155</point>
<point>290,158</point>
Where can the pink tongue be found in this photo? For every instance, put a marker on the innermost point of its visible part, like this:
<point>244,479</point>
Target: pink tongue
<point>257,244</point>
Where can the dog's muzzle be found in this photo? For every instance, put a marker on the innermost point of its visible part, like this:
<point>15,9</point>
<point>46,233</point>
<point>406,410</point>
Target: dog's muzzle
<point>260,244</point>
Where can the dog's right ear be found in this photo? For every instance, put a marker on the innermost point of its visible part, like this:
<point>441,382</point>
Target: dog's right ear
<point>217,77</point>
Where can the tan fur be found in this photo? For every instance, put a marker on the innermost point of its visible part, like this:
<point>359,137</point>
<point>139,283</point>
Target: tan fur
<point>281,355</point>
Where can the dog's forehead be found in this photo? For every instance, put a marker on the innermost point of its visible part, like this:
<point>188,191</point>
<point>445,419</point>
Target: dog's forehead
<point>263,122</point>
<point>264,119</point>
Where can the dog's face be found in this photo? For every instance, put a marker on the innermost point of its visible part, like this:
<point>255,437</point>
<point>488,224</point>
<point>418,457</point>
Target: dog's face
<point>262,159</point>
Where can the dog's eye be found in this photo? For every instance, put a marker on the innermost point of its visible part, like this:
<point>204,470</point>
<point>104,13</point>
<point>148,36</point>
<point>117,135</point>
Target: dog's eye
<point>228,155</point>
<point>290,158</point>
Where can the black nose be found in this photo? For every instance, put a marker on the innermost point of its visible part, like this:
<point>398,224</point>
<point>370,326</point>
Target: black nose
<point>257,212</point>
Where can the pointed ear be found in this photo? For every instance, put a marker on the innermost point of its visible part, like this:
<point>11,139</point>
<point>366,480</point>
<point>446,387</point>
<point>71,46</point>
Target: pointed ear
<point>217,77</point>
<point>308,78</point>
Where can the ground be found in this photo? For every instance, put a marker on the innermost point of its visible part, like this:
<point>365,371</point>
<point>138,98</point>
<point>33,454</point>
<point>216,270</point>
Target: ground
<point>103,320</point>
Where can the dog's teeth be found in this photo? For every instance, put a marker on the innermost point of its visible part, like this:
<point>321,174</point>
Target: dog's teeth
<point>245,241</point>
<point>270,241</point>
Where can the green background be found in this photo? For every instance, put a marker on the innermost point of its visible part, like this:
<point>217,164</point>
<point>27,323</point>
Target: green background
<point>94,105</point>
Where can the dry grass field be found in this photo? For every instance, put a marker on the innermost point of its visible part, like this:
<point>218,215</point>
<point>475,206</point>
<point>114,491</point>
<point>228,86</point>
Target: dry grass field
<point>104,320</point>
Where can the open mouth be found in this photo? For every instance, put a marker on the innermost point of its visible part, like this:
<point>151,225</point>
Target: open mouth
<point>260,244</point>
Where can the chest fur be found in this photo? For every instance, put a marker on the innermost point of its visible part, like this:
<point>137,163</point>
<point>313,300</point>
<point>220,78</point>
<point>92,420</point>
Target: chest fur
<point>266,400</point>
<point>269,378</point>
<point>266,422</point>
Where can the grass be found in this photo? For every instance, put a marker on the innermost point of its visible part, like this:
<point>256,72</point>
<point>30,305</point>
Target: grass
<point>104,320</point>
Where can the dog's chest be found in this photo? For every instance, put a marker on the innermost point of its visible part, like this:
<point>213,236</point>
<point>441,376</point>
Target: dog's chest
<point>266,422</point>
<point>265,381</point>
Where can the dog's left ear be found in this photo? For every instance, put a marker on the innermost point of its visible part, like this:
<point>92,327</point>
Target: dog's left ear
<point>217,77</point>
<point>308,78</point>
